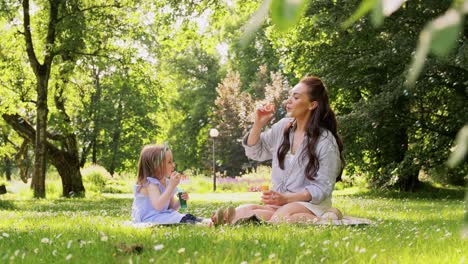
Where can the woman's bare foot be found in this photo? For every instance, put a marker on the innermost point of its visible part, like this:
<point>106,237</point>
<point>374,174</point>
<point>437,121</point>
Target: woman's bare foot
<point>332,214</point>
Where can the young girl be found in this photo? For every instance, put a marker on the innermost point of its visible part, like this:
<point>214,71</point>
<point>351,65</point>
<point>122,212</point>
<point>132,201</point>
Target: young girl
<point>156,187</point>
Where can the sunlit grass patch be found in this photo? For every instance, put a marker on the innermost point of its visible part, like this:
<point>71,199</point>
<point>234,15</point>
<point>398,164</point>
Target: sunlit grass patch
<point>91,230</point>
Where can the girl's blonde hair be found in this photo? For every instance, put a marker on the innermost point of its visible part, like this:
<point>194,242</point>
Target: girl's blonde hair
<point>151,162</point>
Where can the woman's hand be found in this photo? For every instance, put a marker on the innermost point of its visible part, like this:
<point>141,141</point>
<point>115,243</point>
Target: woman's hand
<point>263,114</point>
<point>174,179</point>
<point>274,198</point>
<point>184,196</point>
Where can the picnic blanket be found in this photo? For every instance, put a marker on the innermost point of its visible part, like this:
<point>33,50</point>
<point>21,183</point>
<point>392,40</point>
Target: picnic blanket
<point>345,221</point>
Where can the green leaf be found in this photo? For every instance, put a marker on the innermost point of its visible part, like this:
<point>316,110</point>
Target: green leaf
<point>445,32</point>
<point>419,57</point>
<point>254,23</point>
<point>390,6</point>
<point>377,14</point>
<point>461,148</point>
<point>380,10</point>
<point>286,13</point>
<point>439,36</point>
<point>364,8</point>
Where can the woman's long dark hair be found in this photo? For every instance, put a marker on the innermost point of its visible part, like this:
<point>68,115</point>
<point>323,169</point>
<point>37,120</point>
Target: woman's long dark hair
<point>321,117</point>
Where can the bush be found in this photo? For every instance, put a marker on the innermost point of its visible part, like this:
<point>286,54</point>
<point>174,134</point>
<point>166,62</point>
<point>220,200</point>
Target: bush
<point>95,178</point>
<point>118,186</point>
<point>251,181</point>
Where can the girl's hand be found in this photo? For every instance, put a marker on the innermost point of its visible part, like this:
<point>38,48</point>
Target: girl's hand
<point>274,198</point>
<point>263,114</point>
<point>185,196</point>
<point>174,179</point>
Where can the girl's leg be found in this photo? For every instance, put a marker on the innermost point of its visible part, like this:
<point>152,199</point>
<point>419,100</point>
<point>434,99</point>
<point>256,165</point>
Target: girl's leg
<point>285,214</point>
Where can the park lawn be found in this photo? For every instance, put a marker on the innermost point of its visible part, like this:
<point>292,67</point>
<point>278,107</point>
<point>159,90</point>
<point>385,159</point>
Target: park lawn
<point>93,230</point>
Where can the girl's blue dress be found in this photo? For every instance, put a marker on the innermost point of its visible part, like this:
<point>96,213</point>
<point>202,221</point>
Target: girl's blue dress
<point>144,212</point>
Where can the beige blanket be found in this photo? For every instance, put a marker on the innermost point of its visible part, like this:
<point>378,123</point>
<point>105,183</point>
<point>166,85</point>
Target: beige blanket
<point>347,220</point>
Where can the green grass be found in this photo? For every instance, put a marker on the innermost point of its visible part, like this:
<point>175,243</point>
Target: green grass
<point>92,230</point>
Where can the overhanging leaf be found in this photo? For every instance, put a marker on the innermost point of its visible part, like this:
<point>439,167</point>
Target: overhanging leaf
<point>254,23</point>
<point>445,30</point>
<point>364,8</point>
<point>286,13</point>
<point>390,6</point>
<point>377,17</point>
<point>419,57</point>
<point>438,36</point>
<point>461,148</point>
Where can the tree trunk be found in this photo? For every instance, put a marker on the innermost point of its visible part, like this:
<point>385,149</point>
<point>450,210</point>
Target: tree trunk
<point>40,147</point>
<point>410,182</point>
<point>8,169</point>
<point>116,139</point>
<point>66,161</point>
<point>96,100</point>
<point>409,172</point>
<point>22,160</point>
<point>68,167</point>
<point>42,73</point>
<point>94,119</point>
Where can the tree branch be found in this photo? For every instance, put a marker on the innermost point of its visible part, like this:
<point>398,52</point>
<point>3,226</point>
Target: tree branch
<point>51,33</point>
<point>87,9</point>
<point>28,38</point>
<point>26,130</point>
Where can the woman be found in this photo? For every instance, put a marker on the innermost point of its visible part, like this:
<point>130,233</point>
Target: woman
<point>306,154</point>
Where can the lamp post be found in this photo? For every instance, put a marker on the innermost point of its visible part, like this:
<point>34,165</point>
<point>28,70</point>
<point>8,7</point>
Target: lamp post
<point>214,133</point>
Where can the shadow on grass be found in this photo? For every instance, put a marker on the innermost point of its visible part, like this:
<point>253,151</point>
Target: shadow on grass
<point>74,204</point>
<point>424,191</point>
<point>7,205</point>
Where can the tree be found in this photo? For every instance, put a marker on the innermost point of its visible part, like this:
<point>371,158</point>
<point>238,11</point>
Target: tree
<point>234,114</point>
<point>56,36</point>
<point>391,132</point>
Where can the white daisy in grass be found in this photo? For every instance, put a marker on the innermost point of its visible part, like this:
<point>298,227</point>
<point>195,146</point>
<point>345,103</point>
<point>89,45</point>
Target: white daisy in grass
<point>181,250</point>
<point>103,236</point>
<point>158,247</point>
<point>45,240</point>
<point>68,257</point>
